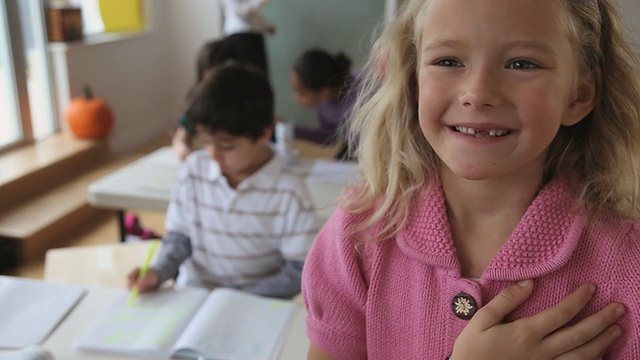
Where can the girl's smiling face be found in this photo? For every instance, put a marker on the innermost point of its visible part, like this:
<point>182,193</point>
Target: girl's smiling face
<point>303,95</point>
<point>496,80</point>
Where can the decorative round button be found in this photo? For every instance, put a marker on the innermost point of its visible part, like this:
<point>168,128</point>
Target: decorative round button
<point>464,306</point>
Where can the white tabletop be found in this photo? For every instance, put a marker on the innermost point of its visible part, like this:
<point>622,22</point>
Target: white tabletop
<point>142,185</point>
<point>97,300</point>
<point>146,185</point>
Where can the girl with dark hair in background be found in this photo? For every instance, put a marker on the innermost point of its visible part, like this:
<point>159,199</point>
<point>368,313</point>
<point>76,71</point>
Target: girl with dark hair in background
<point>324,82</point>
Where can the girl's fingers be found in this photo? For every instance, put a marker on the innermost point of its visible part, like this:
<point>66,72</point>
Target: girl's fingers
<point>596,331</point>
<point>506,301</point>
<point>594,348</point>
<point>551,319</point>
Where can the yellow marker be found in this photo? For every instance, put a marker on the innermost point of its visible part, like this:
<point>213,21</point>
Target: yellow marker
<point>143,270</point>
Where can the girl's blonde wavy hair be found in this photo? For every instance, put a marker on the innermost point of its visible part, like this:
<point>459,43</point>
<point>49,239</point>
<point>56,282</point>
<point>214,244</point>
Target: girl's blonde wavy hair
<point>599,154</point>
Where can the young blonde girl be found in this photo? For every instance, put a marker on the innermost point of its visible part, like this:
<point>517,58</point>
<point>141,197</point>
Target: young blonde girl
<point>501,145</point>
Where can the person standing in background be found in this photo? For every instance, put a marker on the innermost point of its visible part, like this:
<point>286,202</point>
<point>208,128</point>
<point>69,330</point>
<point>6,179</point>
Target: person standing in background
<point>245,27</point>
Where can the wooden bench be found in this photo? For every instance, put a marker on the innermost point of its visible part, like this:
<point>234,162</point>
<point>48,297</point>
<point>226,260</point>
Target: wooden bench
<point>43,188</point>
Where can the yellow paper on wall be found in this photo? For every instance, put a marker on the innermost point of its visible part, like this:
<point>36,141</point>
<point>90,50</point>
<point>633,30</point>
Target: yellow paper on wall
<point>121,15</point>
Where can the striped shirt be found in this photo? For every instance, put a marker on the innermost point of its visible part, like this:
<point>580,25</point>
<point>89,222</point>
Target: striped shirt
<point>241,235</point>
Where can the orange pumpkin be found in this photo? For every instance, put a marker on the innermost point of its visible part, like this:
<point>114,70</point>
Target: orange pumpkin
<point>88,116</point>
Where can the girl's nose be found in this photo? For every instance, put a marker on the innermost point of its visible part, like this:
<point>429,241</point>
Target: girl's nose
<point>482,88</point>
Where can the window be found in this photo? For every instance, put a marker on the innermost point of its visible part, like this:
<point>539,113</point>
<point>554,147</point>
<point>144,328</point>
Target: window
<point>26,105</point>
<point>27,110</point>
<point>10,129</point>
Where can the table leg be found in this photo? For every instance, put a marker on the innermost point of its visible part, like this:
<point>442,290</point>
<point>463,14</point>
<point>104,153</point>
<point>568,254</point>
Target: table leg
<point>123,230</point>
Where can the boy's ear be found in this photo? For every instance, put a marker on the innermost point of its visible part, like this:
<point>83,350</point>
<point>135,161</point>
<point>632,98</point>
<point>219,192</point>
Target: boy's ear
<point>582,103</point>
<point>266,135</point>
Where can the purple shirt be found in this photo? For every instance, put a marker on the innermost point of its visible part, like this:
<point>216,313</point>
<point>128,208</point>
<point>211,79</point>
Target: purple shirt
<point>332,116</point>
<point>400,298</point>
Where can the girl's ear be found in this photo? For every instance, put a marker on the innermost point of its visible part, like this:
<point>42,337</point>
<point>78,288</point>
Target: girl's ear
<point>582,103</point>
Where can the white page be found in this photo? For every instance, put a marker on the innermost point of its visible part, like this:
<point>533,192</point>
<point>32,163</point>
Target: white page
<point>234,325</point>
<point>30,310</point>
<point>148,328</point>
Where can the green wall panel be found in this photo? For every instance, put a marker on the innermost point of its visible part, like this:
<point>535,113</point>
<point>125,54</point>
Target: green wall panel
<point>335,25</point>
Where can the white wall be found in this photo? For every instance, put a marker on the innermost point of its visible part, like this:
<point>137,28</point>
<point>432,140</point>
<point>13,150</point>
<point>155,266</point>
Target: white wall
<point>189,26</point>
<point>144,77</point>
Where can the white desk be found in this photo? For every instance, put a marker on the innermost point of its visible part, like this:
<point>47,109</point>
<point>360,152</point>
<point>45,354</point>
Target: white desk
<point>97,300</point>
<point>146,185</point>
<point>103,265</point>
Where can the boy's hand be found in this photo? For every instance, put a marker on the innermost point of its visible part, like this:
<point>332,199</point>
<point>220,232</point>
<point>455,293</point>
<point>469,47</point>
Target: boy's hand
<point>535,337</point>
<point>148,283</point>
<point>182,151</point>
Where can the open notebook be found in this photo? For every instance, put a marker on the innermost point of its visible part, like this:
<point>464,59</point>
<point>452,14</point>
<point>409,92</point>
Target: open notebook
<point>192,324</point>
<point>30,310</point>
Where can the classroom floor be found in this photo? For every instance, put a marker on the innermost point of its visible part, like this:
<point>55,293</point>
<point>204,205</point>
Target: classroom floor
<point>101,231</point>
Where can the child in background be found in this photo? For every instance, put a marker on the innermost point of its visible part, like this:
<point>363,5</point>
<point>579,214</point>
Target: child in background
<point>325,83</point>
<point>245,27</point>
<point>237,217</point>
<point>211,55</point>
<point>501,146</point>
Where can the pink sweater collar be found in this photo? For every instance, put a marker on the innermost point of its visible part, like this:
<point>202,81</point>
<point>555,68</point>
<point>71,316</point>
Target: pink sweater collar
<point>542,242</point>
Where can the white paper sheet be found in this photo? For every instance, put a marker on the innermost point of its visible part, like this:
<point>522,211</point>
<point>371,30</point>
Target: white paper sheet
<point>30,310</point>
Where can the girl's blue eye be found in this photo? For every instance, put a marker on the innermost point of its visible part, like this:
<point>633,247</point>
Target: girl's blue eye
<point>522,65</point>
<point>448,63</point>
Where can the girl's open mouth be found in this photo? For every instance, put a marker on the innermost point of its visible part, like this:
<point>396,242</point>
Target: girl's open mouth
<point>481,132</point>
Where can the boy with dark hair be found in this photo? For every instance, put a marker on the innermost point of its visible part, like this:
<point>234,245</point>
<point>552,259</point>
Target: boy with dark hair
<point>238,217</point>
<point>211,55</point>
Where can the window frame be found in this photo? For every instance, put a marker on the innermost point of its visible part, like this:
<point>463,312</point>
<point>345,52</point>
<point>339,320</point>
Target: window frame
<point>17,67</point>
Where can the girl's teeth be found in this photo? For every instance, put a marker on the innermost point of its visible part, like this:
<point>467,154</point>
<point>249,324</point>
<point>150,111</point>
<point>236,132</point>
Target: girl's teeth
<point>481,133</point>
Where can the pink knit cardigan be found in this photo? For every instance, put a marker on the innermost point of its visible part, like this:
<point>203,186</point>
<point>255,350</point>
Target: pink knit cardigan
<point>393,299</point>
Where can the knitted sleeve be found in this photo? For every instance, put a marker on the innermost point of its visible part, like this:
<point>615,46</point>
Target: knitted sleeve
<point>334,292</point>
